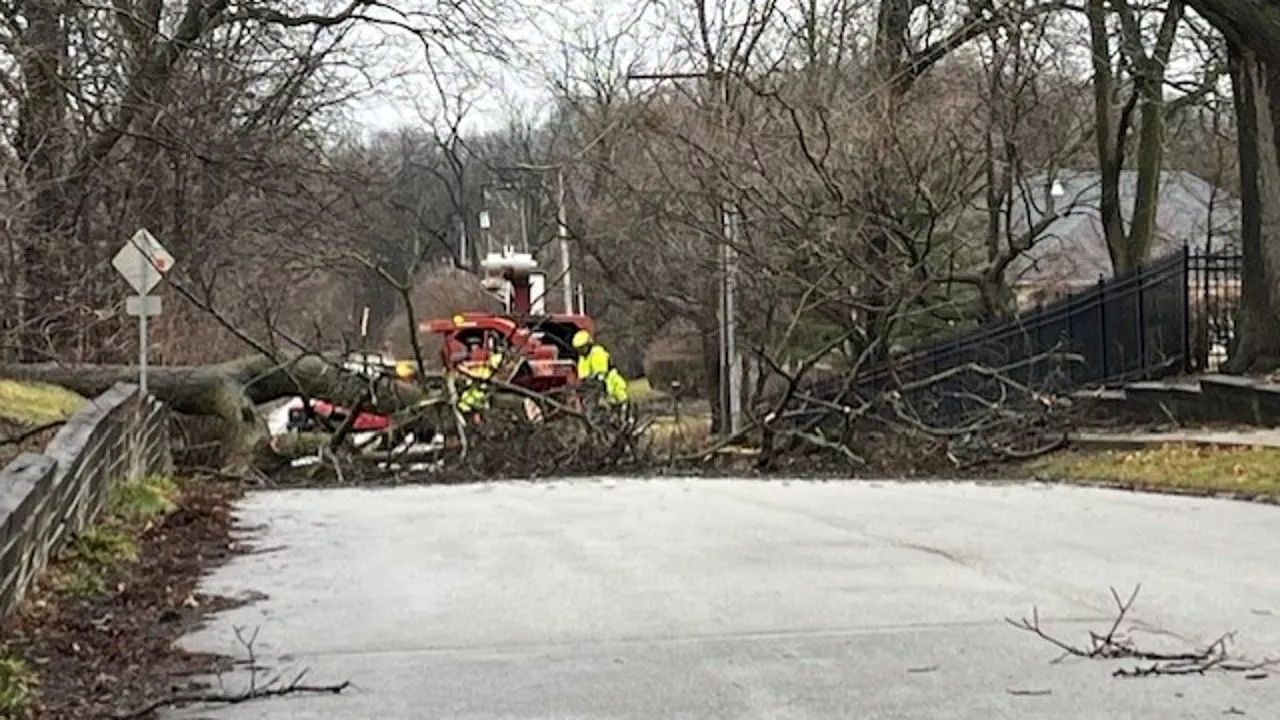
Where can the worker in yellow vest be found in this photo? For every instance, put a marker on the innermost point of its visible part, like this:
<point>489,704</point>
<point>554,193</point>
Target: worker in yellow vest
<point>474,397</point>
<point>596,366</point>
<point>406,370</point>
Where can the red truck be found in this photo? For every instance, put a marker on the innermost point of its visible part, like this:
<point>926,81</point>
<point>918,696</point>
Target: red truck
<point>300,420</point>
<point>541,343</point>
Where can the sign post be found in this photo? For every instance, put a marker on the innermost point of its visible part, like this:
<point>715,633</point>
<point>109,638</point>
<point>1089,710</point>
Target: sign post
<point>142,262</point>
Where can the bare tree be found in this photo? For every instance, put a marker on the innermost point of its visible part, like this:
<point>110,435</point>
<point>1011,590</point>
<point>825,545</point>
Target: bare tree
<point>877,174</point>
<point>1252,34</point>
<point>1142,72</point>
<point>863,180</point>
<point>170,117</point>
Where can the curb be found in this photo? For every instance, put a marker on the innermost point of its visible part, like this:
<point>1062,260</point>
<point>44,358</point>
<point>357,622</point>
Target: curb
<point>1152,489</point>
<point>1092,441</point>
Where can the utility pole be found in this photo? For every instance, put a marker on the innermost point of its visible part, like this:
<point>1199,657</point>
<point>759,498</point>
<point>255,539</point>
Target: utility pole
<point>486,220</point>
<point>562,227</point>
<point>728,317</point>
<point>730,390</point>
<point>523,204</point>
<point>464,253</point>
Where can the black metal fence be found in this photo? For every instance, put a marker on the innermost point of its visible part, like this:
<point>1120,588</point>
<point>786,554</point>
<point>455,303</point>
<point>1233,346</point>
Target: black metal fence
<point>1173,316</point>
<point>1213,296</point>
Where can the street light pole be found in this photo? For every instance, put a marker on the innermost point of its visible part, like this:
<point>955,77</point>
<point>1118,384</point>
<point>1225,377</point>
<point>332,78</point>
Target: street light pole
<point>730,390</point>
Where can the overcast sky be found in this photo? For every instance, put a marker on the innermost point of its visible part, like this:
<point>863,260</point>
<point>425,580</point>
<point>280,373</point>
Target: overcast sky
<point>495,89</point>
<point>637,33</point>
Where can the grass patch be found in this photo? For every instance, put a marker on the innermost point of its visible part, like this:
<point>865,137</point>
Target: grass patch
<point>81,581</point>
<point>641,389</point>
<point>26,406</point>
<point>91,556</point>
<point>1184,467</point>
<point>95,553</point>
<point>141,500</point>
<point>17,685</point>
<point>689,433</point>
<point>34,404</point>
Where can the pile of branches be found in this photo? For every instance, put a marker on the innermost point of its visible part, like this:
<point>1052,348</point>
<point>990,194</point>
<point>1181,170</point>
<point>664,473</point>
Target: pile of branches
<point>523,434</point>
<point>509,444</point>
<point>965,417</point>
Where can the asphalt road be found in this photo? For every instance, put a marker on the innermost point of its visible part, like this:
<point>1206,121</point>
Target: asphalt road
<point>737,599</point>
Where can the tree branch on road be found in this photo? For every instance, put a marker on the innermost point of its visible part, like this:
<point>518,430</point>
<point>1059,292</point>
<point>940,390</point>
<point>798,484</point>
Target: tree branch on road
<point>1115,645</point>
<point>274,687</point>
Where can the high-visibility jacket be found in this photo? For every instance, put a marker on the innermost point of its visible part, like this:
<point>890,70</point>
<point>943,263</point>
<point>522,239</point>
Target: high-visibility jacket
<point>596,365</point>
<point>475,393</point>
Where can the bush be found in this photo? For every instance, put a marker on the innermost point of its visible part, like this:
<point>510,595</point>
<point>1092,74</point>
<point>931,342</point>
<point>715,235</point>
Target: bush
<point>17,686</point>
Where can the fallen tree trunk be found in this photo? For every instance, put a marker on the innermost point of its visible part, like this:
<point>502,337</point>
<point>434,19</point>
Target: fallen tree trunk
<point>202,389</point>
<point>232,390</point>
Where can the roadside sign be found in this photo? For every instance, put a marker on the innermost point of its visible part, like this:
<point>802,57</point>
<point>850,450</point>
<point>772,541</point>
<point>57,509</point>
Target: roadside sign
<point>142,305</point>
<point>142,262</point>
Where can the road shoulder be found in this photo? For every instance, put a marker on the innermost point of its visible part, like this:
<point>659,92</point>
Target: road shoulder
<point>1205,465</point>
<point>96,636</point>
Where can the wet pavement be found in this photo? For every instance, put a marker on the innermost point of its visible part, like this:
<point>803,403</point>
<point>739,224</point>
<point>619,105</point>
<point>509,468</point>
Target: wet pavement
<point>740,599</point>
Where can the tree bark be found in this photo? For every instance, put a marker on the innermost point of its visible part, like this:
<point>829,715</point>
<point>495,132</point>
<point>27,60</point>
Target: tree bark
<point>1109,131</point>
<point>232,390</point>
<point>41,142</point>
<point>1136,249</point>
<point>1255,79</point>
<point>1130,247</point>
<point>1252,31</point>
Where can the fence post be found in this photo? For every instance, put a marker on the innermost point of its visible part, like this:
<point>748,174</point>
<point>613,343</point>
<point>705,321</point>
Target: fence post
<point>1142,324</point>
<point>1102,322</point>
<point>1037,346</point>
<point>1188,363</point>
<point>1073,369</point>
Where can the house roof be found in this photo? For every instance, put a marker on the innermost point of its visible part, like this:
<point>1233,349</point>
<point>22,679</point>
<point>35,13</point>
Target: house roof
<point>1073,249</point>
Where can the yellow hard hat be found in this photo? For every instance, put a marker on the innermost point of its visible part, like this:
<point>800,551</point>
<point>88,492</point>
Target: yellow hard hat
<point>404,369</point>
<point>581,339</point>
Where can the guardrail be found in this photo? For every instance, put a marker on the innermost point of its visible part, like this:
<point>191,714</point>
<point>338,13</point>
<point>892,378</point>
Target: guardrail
<point>46,498</point>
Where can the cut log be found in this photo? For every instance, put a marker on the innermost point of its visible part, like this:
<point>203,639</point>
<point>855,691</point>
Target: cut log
<point>201,389</point>
<point>233,389</point>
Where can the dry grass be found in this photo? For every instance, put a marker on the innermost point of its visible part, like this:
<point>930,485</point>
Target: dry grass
<point>1176,467</point>
<point>33,404</point>
<point>24,406</point>
<point>670,436</point>
<point>640,390</point>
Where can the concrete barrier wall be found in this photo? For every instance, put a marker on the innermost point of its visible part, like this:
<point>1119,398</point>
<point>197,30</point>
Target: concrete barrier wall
<point>46,498</point>
<point>1189,401</point>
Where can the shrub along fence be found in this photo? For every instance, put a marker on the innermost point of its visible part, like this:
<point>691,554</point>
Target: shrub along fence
<point>46,498</point>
